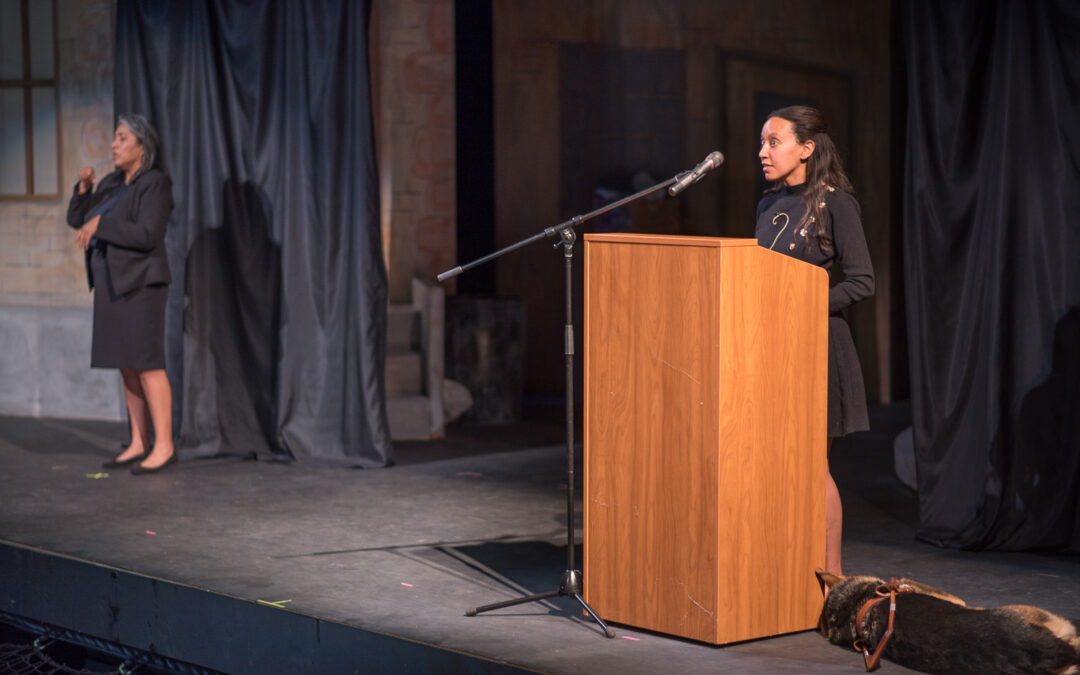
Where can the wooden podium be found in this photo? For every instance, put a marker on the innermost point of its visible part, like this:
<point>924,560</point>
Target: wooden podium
<point>705,447</point>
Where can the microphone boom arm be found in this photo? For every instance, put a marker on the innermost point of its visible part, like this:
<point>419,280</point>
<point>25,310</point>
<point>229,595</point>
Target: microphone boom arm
<point>554,230</point>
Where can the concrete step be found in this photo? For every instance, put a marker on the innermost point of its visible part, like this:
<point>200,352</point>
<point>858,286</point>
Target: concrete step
<point>402,329</point>
<point>403,375</point>
<point>410,418</point>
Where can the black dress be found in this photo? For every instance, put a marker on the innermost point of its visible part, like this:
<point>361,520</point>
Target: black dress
<point>127,267</point>
<point>778,214</point>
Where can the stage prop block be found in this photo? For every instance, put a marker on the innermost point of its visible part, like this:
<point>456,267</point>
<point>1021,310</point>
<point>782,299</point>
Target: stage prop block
<point>705,451</point>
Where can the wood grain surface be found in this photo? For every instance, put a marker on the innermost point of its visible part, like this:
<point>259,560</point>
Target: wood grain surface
<point>705,385</point>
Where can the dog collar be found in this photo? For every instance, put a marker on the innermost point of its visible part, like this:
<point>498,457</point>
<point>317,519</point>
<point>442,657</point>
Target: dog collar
<point>883,591</point>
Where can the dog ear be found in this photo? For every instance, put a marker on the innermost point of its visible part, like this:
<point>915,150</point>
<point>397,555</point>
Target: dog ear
<point>934,592</point>
<point>827,579</point>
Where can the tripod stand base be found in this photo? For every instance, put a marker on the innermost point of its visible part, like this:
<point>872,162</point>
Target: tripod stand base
<point>569,586</point>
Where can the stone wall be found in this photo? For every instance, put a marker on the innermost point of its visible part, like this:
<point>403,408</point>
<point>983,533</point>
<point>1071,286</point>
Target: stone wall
<point>413,81</point>
<point>39,264</point>
<point>45,319</point>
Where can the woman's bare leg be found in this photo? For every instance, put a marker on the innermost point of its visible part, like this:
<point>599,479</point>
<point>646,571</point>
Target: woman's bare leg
<point>158,396</point>
<point>138,415</point>
<point>834,520</point>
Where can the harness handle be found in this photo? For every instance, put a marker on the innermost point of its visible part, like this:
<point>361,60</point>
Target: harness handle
<point>887,590</point>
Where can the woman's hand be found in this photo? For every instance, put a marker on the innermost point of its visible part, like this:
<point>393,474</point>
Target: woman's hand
<point>82,237</point>
<point>86,179</point>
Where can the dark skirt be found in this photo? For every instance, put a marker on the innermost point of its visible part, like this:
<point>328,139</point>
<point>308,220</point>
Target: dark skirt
<point>129,330</point>
<point>847,392</point>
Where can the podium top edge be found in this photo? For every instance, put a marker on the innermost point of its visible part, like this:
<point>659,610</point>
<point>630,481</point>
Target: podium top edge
<point>670,240</point>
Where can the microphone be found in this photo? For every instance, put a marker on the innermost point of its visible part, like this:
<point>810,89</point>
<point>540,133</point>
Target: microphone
<point>713,161</point>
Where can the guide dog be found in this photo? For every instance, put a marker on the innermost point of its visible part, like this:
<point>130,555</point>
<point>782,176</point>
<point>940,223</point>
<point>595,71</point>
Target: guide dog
<point>927,629</point>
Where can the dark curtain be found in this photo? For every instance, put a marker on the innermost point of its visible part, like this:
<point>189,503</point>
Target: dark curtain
<point>276,322</point>
<point>992,266</point>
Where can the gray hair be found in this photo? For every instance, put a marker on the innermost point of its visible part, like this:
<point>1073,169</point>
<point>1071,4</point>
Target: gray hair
<point>147,135</point>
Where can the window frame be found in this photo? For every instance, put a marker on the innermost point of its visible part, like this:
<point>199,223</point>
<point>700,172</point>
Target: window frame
<point>27,84</point>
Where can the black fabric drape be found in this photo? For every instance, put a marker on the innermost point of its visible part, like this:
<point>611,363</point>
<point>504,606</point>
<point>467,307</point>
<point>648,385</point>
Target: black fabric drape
<point>276,322</point>
<point>992,266</point>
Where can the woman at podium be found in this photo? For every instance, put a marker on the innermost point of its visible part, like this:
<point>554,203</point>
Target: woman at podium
<point>809,213</point>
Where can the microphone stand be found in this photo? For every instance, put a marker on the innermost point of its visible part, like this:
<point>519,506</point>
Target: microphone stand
<point>571,583</point>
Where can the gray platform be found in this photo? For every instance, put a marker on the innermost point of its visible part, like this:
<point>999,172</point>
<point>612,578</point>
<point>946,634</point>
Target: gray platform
<point>242,566</point>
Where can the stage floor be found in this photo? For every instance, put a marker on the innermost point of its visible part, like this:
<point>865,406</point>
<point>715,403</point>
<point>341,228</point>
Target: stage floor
<point>401,553</point>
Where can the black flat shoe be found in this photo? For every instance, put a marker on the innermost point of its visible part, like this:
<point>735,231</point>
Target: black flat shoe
<point>120,464</point>
<point>140,470</point>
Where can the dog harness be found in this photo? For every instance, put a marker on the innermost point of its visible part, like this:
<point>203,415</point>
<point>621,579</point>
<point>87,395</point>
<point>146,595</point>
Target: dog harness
<point>888,590</point>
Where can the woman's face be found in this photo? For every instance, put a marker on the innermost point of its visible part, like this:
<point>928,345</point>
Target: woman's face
<point>126,150</point>
<point>782,156</point>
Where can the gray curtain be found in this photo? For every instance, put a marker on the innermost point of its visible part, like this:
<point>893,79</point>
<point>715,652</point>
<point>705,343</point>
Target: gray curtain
<point>992,268</point>
<point>276,323</point>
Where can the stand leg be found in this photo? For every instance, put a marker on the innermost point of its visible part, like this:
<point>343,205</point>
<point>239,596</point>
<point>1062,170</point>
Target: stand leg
<point>570,584</point>
<point>510,603</point>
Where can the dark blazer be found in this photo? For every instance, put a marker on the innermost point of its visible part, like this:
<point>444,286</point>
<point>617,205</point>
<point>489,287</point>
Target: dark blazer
<point>132,233</point>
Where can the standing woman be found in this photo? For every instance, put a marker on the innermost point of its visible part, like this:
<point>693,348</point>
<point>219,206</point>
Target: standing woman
<point>810,213</point>
<point>122,229</point>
